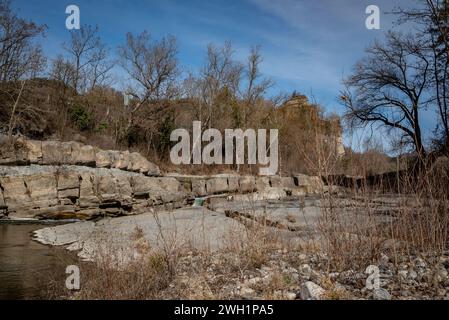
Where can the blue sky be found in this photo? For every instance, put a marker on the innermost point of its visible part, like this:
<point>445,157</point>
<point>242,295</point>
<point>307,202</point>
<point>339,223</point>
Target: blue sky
<point>308,46</point>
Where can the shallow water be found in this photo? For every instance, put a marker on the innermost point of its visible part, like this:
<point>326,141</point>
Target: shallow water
<point>24,263</point>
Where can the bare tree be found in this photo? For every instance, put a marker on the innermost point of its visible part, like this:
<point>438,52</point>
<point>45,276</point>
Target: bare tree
<point>387,87</point>
<point>89,58</point>
<point>19,55</point>
<point>152,66</point>
<point>12,119</point>
<point>99,69</point>
<point>431,19</point>
<point>220,79</point>
<point>256,85</point>
<point>63,71</point>
<point>255,89</point>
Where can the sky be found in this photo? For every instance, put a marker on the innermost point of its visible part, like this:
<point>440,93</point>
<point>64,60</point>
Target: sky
<point>307,46</point>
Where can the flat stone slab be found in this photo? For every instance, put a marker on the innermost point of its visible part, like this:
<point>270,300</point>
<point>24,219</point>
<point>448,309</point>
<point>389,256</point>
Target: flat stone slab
<point>195,228</point>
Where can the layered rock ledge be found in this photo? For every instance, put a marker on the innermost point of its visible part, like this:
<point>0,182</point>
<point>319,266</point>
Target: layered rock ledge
<point>70,180</point>
<point>69,191</point>
<point>55,153</point>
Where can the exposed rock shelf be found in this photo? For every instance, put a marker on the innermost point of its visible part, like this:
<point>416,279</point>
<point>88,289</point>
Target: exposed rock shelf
<point>26,152</point>
<point>67,180</point>
<point>68,191</point>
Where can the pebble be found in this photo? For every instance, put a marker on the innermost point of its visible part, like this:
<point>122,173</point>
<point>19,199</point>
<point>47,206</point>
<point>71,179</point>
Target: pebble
<point>381,294</point>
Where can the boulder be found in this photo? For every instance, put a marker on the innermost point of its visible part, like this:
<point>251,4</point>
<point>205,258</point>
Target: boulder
<point>83,155</point>
<point>247,184</point>
<point>154,170</point>
<point>288,182</point>
<point>144,185</point>
<point>262,183</point>
<point>314,184</point>
<point>276,182</point>
<point>199,187</point>
<point>169,184</point>
<point>139,163</point>
<point>123,186</point>
<point>233,183</point>
<point>68,180</point>
<point>34,151</point>
<point>88,191</point>
<point>15,192</point>
<point>104,159</point>
<point>270,194</point>
<point>106,188</point>
<point>217,185</point>
<point>121,160</point>
<point>2,200</point>
<point>41,187</point>
<point>51,153</point>
<point>311,291</point>
<point>66,152</point>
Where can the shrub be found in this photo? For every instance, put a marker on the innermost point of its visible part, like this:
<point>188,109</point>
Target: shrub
<point>81,117</point>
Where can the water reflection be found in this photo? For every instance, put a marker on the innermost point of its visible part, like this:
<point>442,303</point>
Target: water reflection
<point>24,263</point>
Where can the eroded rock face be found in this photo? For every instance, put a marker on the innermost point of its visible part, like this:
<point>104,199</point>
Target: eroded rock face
<point>217,185</point>
<point>199,187</point>
<point>61,192</point>
<point>313,184</point>
<point>55,180</point>
<point>57,153</point>
<point>247,184</point>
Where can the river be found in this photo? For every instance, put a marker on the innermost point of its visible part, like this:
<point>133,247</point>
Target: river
<point>25,265</point>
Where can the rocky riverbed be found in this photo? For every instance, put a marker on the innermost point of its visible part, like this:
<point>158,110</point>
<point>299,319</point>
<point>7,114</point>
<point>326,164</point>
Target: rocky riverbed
<point>231,236</point>
<point>228,256</point>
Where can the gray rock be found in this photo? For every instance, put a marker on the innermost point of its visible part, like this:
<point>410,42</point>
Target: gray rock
<point>381,294</point>
<point>233,184</point>
<point>199,187</point>
<point>51,152</point>
<point>311,291</point>
<point>84,156</point>
<point>290,295</point>
<point>217,185</point>
<point>104,159</point>
<point>121,160</point>
<point>262,183</point>
<point>247,184</point>
<point>34,151</point>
